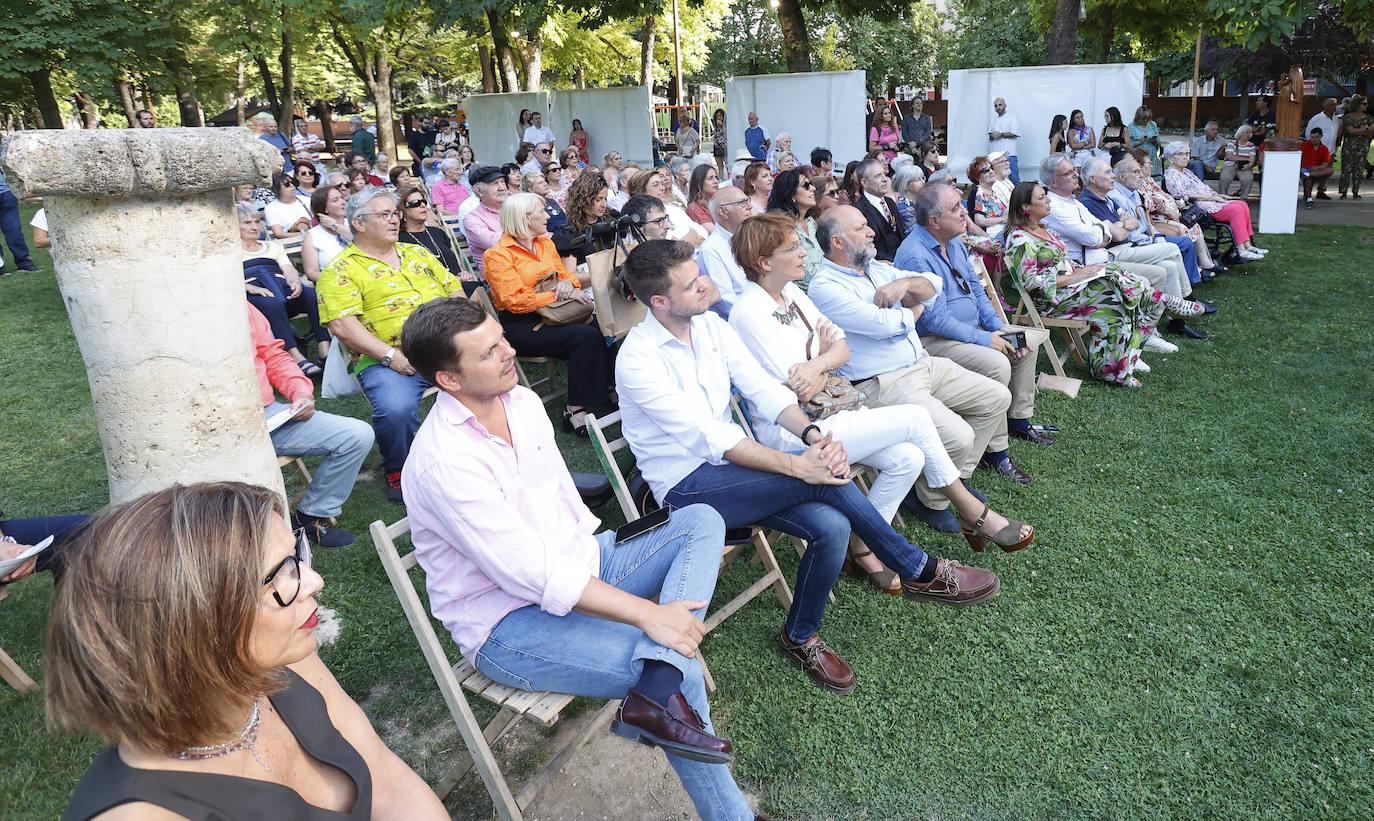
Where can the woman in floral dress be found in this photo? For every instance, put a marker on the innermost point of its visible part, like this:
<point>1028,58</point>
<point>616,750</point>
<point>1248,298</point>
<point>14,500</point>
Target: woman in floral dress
<point>1164,215</point>
<point>1120,308</point>
<point>1357,128</point>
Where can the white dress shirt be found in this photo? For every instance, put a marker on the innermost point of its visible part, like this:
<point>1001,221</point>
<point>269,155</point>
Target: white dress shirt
<point>679,224</point>
<point>1007,125</point>
<point>675,398</point>
<point>496,526</point>
<point>881,340</point>
<point>1082,233</point>
<point>777,345</point>
<point>715,257</point>
<point>1330,126</point>
<point>536,134</point>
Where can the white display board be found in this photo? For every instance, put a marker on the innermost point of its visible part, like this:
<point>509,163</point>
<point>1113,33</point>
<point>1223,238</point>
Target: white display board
<point>615,119</point>
<point>1034,94</point>
<point>1279,189</point>
<point>823,109</point>
<point>492,119</point>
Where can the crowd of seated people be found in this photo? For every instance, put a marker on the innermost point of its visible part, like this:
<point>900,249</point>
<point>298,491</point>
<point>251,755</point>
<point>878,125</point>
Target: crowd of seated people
<point>849,316</point>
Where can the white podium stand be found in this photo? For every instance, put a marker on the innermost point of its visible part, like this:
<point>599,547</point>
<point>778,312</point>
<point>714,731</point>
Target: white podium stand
<point>1279,191</point>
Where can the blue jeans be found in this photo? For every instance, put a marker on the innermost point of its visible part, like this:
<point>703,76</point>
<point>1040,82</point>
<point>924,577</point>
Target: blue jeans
<point>1015,170</point>
<point>588,656</point>
<point>1199,170</point>
<point>823,515</point>
<point>395,402</point>
<point>1185,247</point>
<point>344,442</point>
<point>13,230</point>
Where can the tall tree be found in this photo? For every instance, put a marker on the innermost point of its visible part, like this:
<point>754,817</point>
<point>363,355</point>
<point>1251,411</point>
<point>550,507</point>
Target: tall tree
<point>796,43</point>
<point>1062,39</point>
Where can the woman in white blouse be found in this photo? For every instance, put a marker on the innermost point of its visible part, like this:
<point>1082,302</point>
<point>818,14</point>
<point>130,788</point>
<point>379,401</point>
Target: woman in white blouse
<point>332,235</point>
<point>798,346</point>
<point>286,216</point>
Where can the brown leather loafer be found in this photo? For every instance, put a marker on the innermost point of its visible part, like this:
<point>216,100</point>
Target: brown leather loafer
<point>676,728</point>
<point>954,585</point>
<point>822,664</point>
<point>1012,471</point>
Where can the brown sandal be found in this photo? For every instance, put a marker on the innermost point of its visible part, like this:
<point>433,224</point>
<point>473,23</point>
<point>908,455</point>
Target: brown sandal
<point>1008,538</point>
<point>880,580</point>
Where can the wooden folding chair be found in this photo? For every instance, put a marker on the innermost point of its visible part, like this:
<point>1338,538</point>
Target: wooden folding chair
<point>10,669</point>
<point>293,247</point>
<point>484,298</point>
<point>1072,329</point>
<point>453,678</point>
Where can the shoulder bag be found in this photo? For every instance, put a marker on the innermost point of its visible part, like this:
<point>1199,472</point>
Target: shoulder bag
<point>839,394</point>
<point>562,311</point>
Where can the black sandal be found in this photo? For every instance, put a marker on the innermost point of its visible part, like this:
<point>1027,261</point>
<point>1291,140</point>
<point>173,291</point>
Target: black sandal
<point>575,422</point>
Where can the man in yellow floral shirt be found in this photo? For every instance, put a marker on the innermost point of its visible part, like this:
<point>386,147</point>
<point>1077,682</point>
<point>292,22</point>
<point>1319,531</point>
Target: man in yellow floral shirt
<point>365,295</point>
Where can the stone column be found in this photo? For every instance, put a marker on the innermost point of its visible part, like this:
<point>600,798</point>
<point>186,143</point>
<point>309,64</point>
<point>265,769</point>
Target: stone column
<point>148,259</point>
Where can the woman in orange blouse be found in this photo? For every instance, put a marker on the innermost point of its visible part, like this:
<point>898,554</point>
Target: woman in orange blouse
<point>513,266</point>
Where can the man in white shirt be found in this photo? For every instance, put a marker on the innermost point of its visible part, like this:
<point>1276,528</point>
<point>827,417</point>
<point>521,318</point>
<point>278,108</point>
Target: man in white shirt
<point>674,375</point>
<point>1330,123</point>
<point>513,569</point>
<point>537,133</point>
<point>729,208</point>
<point>539,159</point>
<point>1002,134</point>
<point>877,305</point>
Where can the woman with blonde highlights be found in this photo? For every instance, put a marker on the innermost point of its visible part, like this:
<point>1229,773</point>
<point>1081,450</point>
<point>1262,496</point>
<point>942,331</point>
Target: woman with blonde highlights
<point>184,633</point>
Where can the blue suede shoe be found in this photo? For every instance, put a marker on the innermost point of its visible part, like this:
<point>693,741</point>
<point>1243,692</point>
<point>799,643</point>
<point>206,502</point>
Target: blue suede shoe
<point>941,521</point>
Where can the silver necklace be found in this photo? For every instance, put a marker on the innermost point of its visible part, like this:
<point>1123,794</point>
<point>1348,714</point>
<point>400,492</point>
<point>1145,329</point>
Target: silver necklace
<point>246,740</point>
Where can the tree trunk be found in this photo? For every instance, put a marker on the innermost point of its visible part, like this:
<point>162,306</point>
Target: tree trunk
<point>382,91</point>
<point>90,115</point>
<point>795,41</point>
<point>269,86</point>
<point>184,82</point>
<point>240,89</point>
<point>646,54</point>
<point>500,38</point>
<point>49,112</point>
<point>125,92</point>
<point>533,53</point>
<point>147,97</point>
<point>1104,43</point>
<point>288,77</point>
<point>488,70</point>
<point>1062,40</point>
<point>326,114</point>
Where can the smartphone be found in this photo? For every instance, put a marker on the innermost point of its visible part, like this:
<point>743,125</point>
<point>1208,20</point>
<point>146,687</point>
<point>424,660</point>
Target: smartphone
<point>1016,339</point>
<point>642,525</point>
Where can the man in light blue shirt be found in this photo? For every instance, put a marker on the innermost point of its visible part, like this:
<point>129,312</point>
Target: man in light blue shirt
<point>961,323</point>
<point>877,306</point>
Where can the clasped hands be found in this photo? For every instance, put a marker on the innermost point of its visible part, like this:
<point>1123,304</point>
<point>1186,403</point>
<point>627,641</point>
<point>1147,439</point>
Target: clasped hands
<point>566,290</point>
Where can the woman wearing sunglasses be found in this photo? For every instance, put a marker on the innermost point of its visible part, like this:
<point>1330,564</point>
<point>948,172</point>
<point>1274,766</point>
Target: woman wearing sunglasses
<point>416,230</point>
<point>795,196</point>
<point>307,178</point>
<point>199,670</point>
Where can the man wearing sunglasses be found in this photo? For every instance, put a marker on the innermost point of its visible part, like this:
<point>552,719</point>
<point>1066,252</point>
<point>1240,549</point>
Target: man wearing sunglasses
<point>962,325</point>
<point>539,158</point>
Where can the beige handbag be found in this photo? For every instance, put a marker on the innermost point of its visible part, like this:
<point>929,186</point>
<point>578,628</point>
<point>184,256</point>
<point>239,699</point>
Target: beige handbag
<point>839,394</point>
<point>616,313</point>
<point>562,311</point>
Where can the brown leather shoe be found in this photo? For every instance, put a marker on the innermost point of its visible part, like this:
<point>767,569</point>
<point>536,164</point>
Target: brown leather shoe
<point>822,664</point>
<point>954,585</point>
<point>676,729</point>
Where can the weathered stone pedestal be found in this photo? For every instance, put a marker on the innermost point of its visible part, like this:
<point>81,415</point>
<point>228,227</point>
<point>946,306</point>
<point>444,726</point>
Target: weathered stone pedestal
<point>148,259</point>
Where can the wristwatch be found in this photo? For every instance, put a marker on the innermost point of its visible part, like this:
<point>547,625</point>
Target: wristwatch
<point>387,357</point>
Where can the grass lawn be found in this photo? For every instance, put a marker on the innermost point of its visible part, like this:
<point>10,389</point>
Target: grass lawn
<point>1188,637</point>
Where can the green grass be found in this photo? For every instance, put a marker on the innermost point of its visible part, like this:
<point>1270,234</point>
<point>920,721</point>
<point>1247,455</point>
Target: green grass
<point>1188,637</point>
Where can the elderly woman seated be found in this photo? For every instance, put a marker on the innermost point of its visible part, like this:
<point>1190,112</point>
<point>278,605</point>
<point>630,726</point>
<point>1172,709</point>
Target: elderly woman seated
<point>986,206</point>
<point>1121,308</point>
<point>200,672</point>
<point>276,289</point>
<point>526,275</point>
<point>535,183</point>
<point>799,347</point>
<point>1185,185</point>
<point>1239,162</point>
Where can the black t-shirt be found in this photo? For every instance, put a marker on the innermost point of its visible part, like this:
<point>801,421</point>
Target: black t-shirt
<point>571,242</point>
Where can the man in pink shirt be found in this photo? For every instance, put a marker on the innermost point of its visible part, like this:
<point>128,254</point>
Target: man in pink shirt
<point>343,441</point>
<point>482,225</point>
<point>534,599</point>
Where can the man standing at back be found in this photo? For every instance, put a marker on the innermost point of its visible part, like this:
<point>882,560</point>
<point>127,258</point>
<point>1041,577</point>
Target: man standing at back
<point>756,139</point>
<point>536,132</point>
<point>1002,134</point>
<point>277,140</point>
<point>363,141</point>
<point>917,128</point>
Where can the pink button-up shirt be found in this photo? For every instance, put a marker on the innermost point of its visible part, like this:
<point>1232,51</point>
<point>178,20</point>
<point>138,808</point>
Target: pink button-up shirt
<point>496,527</point>
<point>482,227</point>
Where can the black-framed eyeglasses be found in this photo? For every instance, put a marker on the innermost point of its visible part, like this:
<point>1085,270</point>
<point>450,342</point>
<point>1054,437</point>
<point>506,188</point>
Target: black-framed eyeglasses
<point>285,578</point>
<point>661,221</point>
<point>415,203</point>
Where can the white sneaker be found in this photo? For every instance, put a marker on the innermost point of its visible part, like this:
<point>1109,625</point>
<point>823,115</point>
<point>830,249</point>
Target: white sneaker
<point>1250,255</point>
<point>1258,250</point>
<point>1140,367</point>
<point>1159,343</point>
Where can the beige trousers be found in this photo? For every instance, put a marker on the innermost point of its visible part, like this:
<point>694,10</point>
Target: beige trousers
<point>1018,375</point>
<point>967,408</point>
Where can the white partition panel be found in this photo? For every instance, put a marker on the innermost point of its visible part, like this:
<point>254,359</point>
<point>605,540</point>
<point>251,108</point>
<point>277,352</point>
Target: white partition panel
<point>615,119</point>
<point>1279,188</point>
<point>1034,94</point>
<point>819,109</point>
<point>492,119</point>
